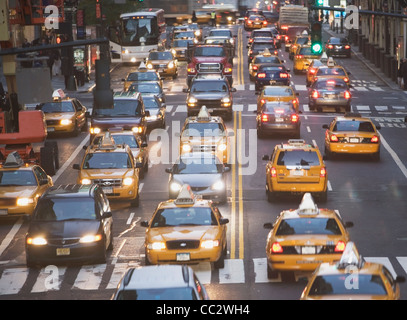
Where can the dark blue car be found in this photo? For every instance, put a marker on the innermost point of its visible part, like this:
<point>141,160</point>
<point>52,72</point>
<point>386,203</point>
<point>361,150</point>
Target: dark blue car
<point>271,74</point>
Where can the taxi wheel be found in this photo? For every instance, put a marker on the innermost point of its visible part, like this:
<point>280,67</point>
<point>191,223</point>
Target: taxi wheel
<point>220,263</point>
<point>136,201</point>
<point>271,274</point>
<point>271,196</point>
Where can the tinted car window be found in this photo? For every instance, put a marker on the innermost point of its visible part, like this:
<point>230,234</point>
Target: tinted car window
<point>157,294</point>
<point>297,158</point>
<point>160,55</point>
<point>338,41</point>
<point>184,216</point>
<point>51,107</point>
<point>308,226</point>
<point>113,160</point>
<point>59,209</point>
<point>336,284</point>
<point>362,126</point>
<point>209,86</point>
<point>126,108</point>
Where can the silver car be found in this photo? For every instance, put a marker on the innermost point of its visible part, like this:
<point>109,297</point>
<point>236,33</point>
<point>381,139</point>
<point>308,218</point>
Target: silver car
<point>331,92</point>
<point>204,172</point>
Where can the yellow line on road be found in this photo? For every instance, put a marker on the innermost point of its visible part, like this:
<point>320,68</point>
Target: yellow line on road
<point>233,209</point>
<point>241,230</point>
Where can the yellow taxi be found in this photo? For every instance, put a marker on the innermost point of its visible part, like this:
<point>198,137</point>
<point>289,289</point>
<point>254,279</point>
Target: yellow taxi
<point>64,114</point>
<point>352,278</point>
<point>141,75</point>
<point>206,133</point>
<point>352,134</point>
<point>186,230</point>
<point>302,59</point>
<point>111,166</point>
<point>278,93</point>
<point>314,65</point>
<point>303,238</point>
<point>294,168</point>
<point>297,43</point>
<point>331,71</point>
<point>263,58</point>
<point>21,185</point>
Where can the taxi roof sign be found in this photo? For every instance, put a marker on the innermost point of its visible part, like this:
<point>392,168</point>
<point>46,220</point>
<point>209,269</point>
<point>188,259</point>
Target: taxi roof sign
<point>307,205</point>
<point>266,52</point>
<point>107,142</point>
<point>203,114</point>
<point>331,62</point>
<point>350,257</point>
<point>185,196</point>
<point>142,66</point>
<point>13,160</point>
<point>58,94</point>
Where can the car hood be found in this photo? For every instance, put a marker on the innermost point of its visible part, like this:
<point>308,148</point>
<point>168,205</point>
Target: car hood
<point>197,180</point>
<point>183,233</point>
<point>17,191</point>
<point>59,115</point>
<point>63,229</point>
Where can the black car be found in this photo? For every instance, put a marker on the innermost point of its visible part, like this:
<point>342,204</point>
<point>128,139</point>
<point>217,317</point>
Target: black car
<point>148,87</point>
<point>278,117</point>
<point>271,74</point>
<point>215,94</point>
<point>271,33</point>
<point>271,16</point>
<point>338,47</point>
<point>259,46</point>
<point>71,223</point>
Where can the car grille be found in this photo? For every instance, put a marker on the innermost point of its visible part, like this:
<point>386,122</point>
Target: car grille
<point>183,244</point>
<point>209,103</point>
<point>328,249</point>
<point>52,122</point>
<point>204,148</point>
<point>198,188</point>
<point>108,182</point>
<point>8,202</point>
<point>209,67</point>
<point>62,242</point>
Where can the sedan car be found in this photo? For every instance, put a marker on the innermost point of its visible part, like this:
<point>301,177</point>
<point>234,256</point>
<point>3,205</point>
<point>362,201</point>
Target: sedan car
<point>203,172</point>
<point>276,117</point>
<point>352,134</point>
<point>179,48</point>
<point>260,46</point>
<point>272,74</point>
<point>329,93</point>
<point>278,93</point>
<point>71,223</point>
<point>255,22</point>
<point>332,72</point>
<point>302,59</point>
<point>148,87</point>
<point>263,58</point>
<point>338,47</point>
<point>163,62</point>
<point>140,76</point>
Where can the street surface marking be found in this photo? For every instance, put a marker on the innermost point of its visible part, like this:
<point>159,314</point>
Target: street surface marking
<point>90,277</point>
<point>10,236</point>
<point>49,279</point>
<point>233,272</point>
<point>12,280</point>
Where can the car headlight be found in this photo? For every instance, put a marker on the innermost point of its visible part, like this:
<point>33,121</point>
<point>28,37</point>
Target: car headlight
<point>37,241</point>
<point>95,130</point>
<point>186,148</point>
<point>126,51</point>
<point>173,51</point>
<point>86,181</point>
<point>137,129</point>
<point>209,244</point>
<point>192,100</point>
<point>91,238</point>
<point>175,187</point>
<point>21,202</point>
<point>65,122</point>
<point>198,33</point>
<point>128,181</point>
<point>219,185</point>
<point>149,66</point>
<point>222,147</point>
<point>158,245</point>
<point>171,64</point>
<point>226,100</point>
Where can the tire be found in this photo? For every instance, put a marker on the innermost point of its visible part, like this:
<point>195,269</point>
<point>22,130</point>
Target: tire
<point>47,160</point>
<point>220,263</point>
<point>271,274</point>
<point>136,201</point>
<point>54,146</point>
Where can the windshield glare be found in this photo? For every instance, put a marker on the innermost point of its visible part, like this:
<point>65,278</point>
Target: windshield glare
<point>53,107</point>
<point>60,209</point>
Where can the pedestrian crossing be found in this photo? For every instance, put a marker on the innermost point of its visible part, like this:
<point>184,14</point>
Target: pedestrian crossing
<point>107,276</point>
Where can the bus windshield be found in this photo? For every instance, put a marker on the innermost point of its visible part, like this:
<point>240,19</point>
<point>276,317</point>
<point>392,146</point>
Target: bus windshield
<point>138,29</point>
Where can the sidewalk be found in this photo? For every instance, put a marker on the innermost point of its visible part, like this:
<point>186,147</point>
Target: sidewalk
<point>356,53</point>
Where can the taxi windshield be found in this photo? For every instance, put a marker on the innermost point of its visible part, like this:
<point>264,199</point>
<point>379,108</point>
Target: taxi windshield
<point>201,165</point>
<point>143,76</point>
<point>17,178</point>
<point>203,130</point>
<point>60,106</point>
<point>128,139</point>
<point>121,108</point>
<point>308,226</point>
<point>186,293</point>
<point>60,209</point>
<point>107,160</point>
<point>361,126</point>
<point>298,158</point>
<point>160,55</point>
<point>302,40</point>
<point>307,52</point>
<point>336,284</point>
<point>184,216</point>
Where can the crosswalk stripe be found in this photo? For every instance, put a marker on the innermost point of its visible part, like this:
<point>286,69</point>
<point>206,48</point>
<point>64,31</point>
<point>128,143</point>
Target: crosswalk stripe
<point>49,279</point>
<point>12,280</point>
<point>233,272</point>
<point>118,272</point>
<point>203,271</point>
<point>403,262</point>
<point>89,277</point>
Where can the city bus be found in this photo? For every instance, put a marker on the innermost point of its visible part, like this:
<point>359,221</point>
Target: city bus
<point>136,34</point>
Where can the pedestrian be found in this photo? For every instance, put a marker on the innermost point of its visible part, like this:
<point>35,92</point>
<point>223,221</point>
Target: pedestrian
<point>194,18</point>
<point>404,74</point>
<point>327,17</point>
<point>213,18</point>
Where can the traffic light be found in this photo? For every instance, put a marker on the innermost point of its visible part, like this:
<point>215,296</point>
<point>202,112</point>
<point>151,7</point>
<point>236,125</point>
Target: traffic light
<point>320,3</point>
<point>316,38</point>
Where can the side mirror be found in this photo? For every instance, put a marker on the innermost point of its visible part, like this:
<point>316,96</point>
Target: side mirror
<point>139,165</point>
<point>76,166</point>
<point>168,170</point>
<point>107,214</point>
<point>400,279</point>
<point>144,223</point>
<point>223,221</point>
<point>348,224</point>
<point>268,225</point>
<point>378,127</point>
<point>265,157</point>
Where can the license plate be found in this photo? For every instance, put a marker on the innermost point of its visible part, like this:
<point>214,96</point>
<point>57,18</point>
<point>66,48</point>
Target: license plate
<point>183,257</point>
<point>107,190</point>
<point>330,96</point>
<point>308,250</point>
<point>63,251</point>
<point>3,212</point>
<point>272,81</point>
<point>354,140</point>
<point>296,172</point>
<point>279,119</point>
<point>50,129</point>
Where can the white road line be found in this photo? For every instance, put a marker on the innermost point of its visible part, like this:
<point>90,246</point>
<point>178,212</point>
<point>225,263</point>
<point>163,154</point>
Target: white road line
<point>233,272</point>
<point>403,262</point>
<point>394,156</point>
<point>90,277</point>
<point>130,217</point>
<point>12,280</point>
<point>10,236</point>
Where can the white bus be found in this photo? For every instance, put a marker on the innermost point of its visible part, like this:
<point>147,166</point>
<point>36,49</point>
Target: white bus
<point>137,34</point>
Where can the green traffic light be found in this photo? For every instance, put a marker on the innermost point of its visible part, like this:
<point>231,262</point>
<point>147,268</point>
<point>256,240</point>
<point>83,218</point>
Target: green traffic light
<point>316,48</point>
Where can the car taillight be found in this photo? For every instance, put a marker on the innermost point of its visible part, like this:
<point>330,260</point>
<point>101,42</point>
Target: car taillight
<point>347,47</point>
<point>278,37</point>
<point>312,70</point>
<point>276,248</point>
<point>284,75</point>
<point>264,23</point>
<point>261,75</point>
<point>322,173</point>
<point>374,139</point>
<point>299,56</point>
<point>340,246</point>
<point>315,94</point>
<point>286,38</point>
<point>295,118</point>
<point>330,46</point>
<point>249,22</point>
<point>250,40</point>
<point>264,118</point>
<point>250,52</point>
<point>255,67</point>
<point>262,101</point>
<point>346,79</point>
<point>347,95</point>
<point>276,53</point>
<point>333,138</point>
<point>273,172</point>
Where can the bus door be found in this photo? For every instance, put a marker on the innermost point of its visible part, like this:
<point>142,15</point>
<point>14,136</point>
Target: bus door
<point>115,46</point>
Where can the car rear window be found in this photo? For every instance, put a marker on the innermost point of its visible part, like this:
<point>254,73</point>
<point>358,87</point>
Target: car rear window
<point>298,158</point>
<point>331,72</point>
<point>308,226</point>
<point>275,91</point>
<point>361,126</point>
<point>186,293</point>
<point>336,284</point>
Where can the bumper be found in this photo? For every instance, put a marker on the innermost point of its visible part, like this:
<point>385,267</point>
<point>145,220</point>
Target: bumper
<point>338,52</point>
<point>300,262</point>
<point>214,108</point>
<point>194,255</point>
<point>14,211</point>
<point>277,128</point>
<point>298,188</point>
<point>331,102</point>
<point>350,148</point>
<point>60,128</point>
<point>207,194</point>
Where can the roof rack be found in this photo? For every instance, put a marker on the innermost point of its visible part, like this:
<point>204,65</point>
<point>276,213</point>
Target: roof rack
<point>13,160</point>
<point>350,257</point>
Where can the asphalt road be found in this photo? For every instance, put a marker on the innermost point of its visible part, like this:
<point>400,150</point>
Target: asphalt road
<point>370,194</point>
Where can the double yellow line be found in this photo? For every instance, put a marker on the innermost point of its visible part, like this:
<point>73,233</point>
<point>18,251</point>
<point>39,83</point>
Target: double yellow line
<point>237,177</point>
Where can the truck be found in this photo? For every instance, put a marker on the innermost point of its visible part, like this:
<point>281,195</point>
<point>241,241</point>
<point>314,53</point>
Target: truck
<point>293,21</point>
